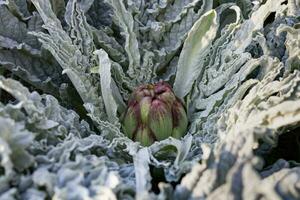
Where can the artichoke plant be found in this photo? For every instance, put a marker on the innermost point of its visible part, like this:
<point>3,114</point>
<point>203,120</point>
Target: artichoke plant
<point>154,113</point>
<point>69,67</point>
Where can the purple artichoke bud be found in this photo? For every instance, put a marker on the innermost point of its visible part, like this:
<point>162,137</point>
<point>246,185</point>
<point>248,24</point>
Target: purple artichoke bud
<point>154,113</point>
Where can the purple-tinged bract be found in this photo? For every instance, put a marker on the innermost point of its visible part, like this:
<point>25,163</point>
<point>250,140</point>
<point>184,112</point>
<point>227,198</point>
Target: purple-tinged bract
<point>154,113</point>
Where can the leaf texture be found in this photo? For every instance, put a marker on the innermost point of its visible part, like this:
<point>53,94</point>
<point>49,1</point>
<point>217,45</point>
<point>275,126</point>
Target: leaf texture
<point>197,41</point>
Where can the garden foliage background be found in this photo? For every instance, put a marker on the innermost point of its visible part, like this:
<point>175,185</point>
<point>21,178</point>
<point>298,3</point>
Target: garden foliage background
<point>67,69</point>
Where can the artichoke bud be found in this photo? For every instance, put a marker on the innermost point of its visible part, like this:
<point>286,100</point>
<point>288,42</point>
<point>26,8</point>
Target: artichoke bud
<point>154,113</point>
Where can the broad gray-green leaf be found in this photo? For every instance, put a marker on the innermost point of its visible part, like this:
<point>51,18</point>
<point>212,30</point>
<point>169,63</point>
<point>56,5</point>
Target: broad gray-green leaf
<point>14,139</point>
<point>142,171</point>
<point>167,26</point>
<point>260,116</point>
<point>54,149</point>
<point>198,39</point>
<point>256,22</point>
<point>115,51</point>
<point>58,7</point>
<point>18,8</point>
<point>81,33</point>
<point>74,60</point>
<point>21,53</point>
<point>126,22</point>
<point>110,103</point>
<point>292,46</point>
<point>294,6</point>
<point>177,150</point>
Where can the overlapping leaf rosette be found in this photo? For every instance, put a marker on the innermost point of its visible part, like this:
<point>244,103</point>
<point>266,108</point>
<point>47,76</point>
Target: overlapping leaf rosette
<point>183,99</point>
